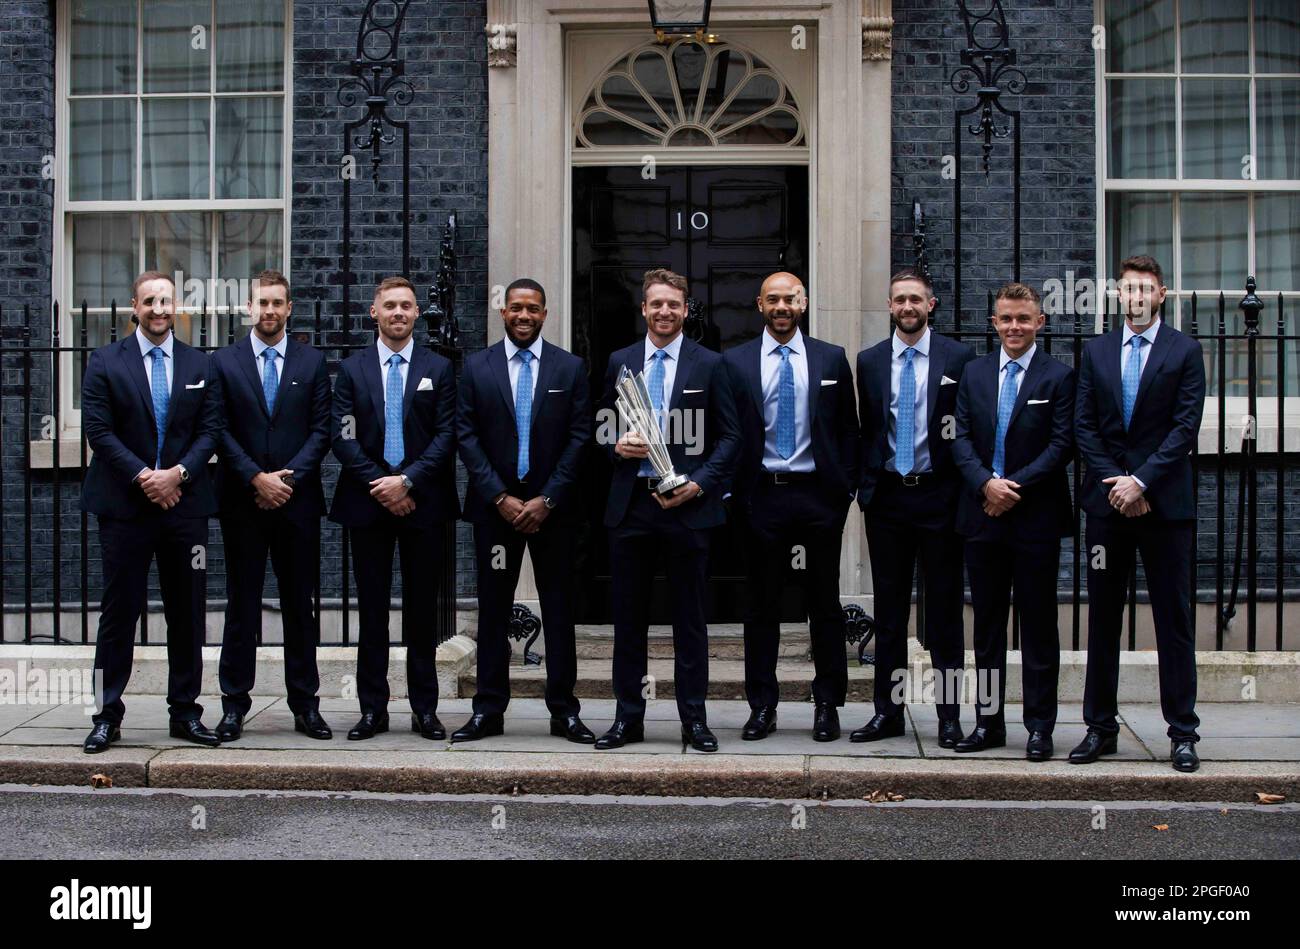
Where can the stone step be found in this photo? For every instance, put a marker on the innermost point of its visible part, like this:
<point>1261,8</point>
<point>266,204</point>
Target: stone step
<point>726,641</point>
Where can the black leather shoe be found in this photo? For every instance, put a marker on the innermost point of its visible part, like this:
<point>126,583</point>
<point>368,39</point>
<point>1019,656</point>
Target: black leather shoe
<point>826,723</point>
<point>1093,746</point>
<point>950,733</point>
<point>231,727</point>
<point>621,733</point>
<point>191,729</point>
<point>429,727</point>
<point>571,727</point>
<point>981,739</point>
<point>1039,746</point>
<point>762,722</point>
<point>879,727</point>
<point>480,725</point>
<point>369,726</point>
<point>698,736</point>
<point>1183,755</point>
<point>312,725</point>
<point>100,737</point>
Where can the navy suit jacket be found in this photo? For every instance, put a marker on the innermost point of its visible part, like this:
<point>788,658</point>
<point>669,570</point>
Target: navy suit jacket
<point>832,416</point>
<point>701,388</point>
<point>1039,446</point>
<point>488,437</point>
<point>947,358</point>
<point>118,421</point>
<point>295,436</point>
<point>428,432</point>
<point>1166,420</point>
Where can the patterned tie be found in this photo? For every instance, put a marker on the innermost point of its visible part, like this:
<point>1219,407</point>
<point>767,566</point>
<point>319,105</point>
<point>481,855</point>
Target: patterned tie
<point>524,408</point>
<point>270,379</point>
<point>1006,402</point>
<point>905,438</point>
<point>655,383</point>
<point>394,446</point>
<point>785,405</point>
<point>161,397</point>
<point>1132,373</point>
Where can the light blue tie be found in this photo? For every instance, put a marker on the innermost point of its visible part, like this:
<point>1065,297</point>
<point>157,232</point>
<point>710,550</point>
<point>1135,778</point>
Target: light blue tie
<point>655,383</point>
<point>1132,373</point>
<point>1006,402</point>
<point>161,398</point>
<point>524,408</point>
<point>270,379</point>
<point>394,446</point>
<point>905,437</point>
<point>785,405</point>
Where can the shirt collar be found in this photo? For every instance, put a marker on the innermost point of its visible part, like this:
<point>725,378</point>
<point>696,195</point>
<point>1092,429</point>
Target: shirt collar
<point>147,345</point>
<point>512,350</point>
<point>405,352</point>
<point>922,345</point>
<point>260,347</point>
<point>770,345</point>
<point>1023,360</point>
<point>673,349</point>
<point>1149,334</point>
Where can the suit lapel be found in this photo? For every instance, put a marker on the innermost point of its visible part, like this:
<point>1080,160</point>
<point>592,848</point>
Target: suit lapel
<point>414,373</point>
<point>1112,368</point>
<point>934,378</point>
<point>287,367</point>
<point>133,361</point>
<point>754,376</point>
<point>886,363</point>
<point>812,358</point>
<point>498,365</point>
<point>686,359</point>
<point>248,364</point>
<point>374,379</point>
<point>545,373</point>
<point>1032,375</point>
<point>1159,350</point>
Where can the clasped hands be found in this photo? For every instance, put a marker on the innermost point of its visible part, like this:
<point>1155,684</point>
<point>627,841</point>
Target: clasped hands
<point>1126,495</point>
<point>392,493</point>
<point>632,445</point>
<point>162,486</point>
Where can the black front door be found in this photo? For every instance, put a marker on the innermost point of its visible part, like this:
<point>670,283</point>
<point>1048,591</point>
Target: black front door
<point>724,229</point>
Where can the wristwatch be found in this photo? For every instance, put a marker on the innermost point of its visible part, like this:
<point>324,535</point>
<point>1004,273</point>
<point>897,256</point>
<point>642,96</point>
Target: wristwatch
<point>185,475</point>
<point>288,479</point>
<point>407,483</point>
<point>549,502</point>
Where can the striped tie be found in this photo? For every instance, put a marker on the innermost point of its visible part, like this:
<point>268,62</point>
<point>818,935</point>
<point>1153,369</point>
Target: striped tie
<point>1132,373</point>
<point>161,398</point>
<point>785,405</point>
<point>1006,402</point>
<point>394,443</point>
<point>905,438</point>
<point>524,408</point>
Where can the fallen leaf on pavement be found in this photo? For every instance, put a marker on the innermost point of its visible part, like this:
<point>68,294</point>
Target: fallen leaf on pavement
<point>1262,798</point>
<point>1160,826</point>
<point>100,781</point>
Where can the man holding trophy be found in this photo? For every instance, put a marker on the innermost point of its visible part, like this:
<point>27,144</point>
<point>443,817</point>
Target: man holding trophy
<point>672,465</point>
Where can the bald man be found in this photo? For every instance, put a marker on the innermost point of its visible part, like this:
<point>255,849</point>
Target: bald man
<point>794,486</point>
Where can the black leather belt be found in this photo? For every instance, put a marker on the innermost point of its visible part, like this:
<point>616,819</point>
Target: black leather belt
<point>911,480</point>
<point>786,477</point>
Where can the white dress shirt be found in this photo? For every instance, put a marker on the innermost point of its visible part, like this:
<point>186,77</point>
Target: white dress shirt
<point>673,351</point>
<point>770,373</point>
<point>403,367</point>
<point>260,347</point>
<point>1126,350</point>
<point>921,366</point>
<point>513,363</point>
<point>1023,361</point>
<point>147,347</point>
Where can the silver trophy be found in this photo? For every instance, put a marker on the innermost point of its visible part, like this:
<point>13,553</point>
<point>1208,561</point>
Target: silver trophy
<point>639,415</point>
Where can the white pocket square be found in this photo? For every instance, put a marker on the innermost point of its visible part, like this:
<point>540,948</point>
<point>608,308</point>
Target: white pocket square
<point>426,385</point>
<point>552,391</point>
<point>197,385</point>
<point>691,391</point>
<point>294,383</point>
<point>945,381</point>
<point>1039,401</point>
<point>829,382</point>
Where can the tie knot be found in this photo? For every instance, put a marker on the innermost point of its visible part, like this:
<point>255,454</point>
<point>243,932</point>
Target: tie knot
<point>909,352</point>
<point>525,356</point>
<point>395,359</point>
<point>157,354</point>
<point>659,354</point>
<point>269,354</point>
<point>784,351</point>
<point>1136,342</point>
<point>1013,367</point>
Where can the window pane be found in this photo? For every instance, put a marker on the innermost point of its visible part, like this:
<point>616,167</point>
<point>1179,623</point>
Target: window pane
<point>101,135</point>
<point>1140,36</point>
<point>1139,223</point>
<point>103,258</point>
<point>1213,233</point>
<point>1140,142</point>
<point>103,47</point>
<point>1216,127</point>
<point>1277,114</point>
<point>1277,241</point>
<point>248,242</point>
<point>180,245</point>
<point>1277,36</point>
<point>177,53</point>
<point>175,148</point>
<point>250,45</point>
<point>1215,35</point>
<point>249,147</point>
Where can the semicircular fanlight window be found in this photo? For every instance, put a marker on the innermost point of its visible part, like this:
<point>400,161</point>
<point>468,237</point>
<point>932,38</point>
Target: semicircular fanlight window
<point>688,95</point>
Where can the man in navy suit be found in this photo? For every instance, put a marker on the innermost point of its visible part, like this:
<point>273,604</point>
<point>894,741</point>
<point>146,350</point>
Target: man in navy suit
<point>1138,412</point>
<point>151,417</point>
<point>394,434</point>
<point>524,417</point>
<point>691,389</point>
<point>907,400</point>
<point>275,401</point>
<point>1015,437</point>
<point>795,482</point>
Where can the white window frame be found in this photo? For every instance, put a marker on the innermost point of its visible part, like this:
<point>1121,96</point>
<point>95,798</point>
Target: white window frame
<point>64,209</point>
<point>1236,406</point>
